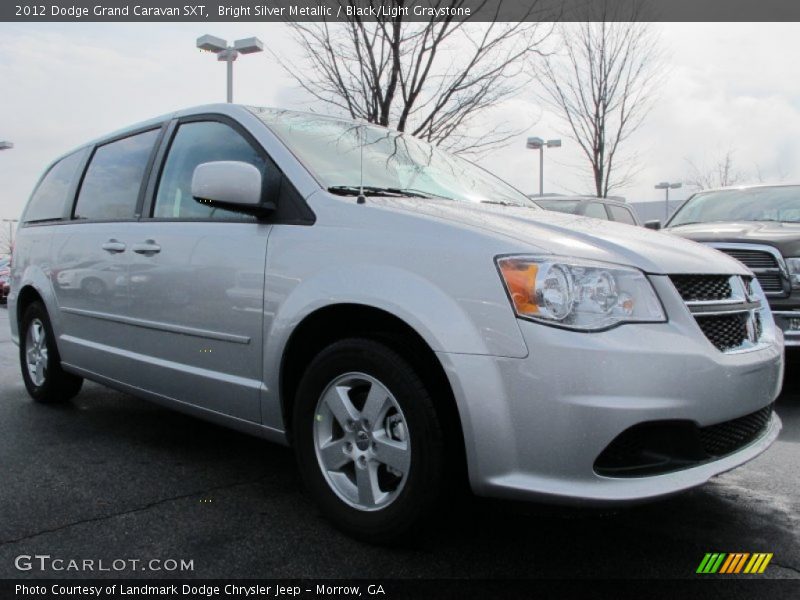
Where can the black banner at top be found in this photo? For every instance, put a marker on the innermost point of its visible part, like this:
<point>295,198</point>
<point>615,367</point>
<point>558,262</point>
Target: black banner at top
<point>409,10</point>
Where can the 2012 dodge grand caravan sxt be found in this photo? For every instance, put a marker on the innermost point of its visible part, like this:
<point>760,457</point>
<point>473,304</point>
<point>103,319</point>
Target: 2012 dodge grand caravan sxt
<point>395,313</point>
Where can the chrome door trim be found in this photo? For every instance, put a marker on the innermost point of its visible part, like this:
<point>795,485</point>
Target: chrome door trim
<point>181,329</point>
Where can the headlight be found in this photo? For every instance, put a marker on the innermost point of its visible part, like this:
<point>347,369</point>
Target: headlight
<point>793,265</point>
<point>578,294</point>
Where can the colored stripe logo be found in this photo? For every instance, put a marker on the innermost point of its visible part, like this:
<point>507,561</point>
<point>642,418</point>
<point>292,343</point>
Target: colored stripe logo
<point>734,563</point>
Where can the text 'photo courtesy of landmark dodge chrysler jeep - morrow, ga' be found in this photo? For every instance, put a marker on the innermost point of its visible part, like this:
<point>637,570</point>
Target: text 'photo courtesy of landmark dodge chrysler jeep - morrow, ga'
<point>399,316</point>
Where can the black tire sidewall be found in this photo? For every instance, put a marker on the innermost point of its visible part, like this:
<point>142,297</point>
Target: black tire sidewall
<point>54,387</point>
<point>422,487</point>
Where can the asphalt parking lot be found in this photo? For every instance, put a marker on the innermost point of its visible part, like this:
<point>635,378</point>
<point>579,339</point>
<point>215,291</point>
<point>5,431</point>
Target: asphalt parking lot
<point>109,476</point>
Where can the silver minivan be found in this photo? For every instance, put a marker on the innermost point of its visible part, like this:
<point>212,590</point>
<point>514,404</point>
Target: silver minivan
<point>402,318</point>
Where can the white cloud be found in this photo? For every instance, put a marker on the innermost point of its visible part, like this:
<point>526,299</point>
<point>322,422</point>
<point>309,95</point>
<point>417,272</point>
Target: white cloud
<point>729,86</point>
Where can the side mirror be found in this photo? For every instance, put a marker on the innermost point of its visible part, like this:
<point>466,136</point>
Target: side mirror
<point>654,225</point>
<point>229,184</point>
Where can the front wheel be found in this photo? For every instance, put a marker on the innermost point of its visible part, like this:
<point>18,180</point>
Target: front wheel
<point>44,378</point>
<point>368,440</point>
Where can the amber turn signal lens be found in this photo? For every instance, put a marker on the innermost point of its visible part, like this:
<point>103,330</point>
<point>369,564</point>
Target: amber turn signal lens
<point>520,278</point>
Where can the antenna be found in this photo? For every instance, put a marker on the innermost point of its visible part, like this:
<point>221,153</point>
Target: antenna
<point>361,198</point>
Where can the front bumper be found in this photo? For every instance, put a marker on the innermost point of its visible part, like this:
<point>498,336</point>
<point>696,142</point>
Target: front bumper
<point>534,427</point>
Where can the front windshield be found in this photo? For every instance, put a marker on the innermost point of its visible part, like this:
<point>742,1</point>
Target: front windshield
<point>754,204</point>
<point>394,163</point>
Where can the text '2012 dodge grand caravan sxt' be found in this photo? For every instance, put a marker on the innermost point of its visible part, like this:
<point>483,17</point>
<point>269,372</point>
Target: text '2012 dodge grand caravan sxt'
<point>395,313</point>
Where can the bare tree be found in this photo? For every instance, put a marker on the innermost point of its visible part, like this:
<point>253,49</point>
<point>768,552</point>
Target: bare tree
<point>602,85</point>
<point>432,79</point>
<point>722,172</point>
<point>7,227</point>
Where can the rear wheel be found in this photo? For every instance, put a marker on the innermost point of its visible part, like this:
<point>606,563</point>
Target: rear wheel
<point>44,378</point>
<point>368,440</point>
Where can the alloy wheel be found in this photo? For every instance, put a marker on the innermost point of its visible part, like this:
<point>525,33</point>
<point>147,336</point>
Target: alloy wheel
<point>362,441</point>
<point>36,352</point>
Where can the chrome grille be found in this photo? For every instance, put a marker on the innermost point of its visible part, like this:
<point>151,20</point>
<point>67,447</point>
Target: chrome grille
<point>703,288</point>
<point>766,263</point>
<point>724,307</point>
<point>770,282</point>
<point>755,259</point>
<point>726,332</point>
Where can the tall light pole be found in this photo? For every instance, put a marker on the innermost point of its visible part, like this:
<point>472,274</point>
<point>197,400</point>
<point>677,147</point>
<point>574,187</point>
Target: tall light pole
<point>667,186</point>
<point>227,53</point>
<point>6,145</point>
<point>537,143</point>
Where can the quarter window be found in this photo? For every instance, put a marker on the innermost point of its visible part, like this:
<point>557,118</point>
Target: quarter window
<point>49,200</point>
<point>596,210</point>
<point>196,143</point>
<point>621,214</point>
<point>110,188</point>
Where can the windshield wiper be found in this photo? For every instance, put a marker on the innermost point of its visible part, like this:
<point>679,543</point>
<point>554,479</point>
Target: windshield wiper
<point>505,203</point>
<point>374,190</point>
<point>691,223</point>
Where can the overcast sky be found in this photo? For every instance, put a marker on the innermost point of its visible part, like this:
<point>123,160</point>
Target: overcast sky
<point>728,86</point>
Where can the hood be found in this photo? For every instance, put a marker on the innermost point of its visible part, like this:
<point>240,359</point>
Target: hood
<point>548,232</point>
<point>784,236</point>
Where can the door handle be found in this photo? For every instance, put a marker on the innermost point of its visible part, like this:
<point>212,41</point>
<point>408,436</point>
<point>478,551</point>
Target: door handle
<point>148,248</point>
<point>113,246</point>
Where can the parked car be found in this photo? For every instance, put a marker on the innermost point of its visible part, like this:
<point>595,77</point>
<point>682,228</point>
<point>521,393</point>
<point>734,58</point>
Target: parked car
<point>398,315</point>
<point>759,226</point>
<point>5,276</point>
<point>590,206</point>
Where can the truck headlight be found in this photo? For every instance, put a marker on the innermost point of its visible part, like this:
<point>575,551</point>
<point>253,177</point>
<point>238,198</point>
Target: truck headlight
<point>793,264</point>
<point>578,294</point>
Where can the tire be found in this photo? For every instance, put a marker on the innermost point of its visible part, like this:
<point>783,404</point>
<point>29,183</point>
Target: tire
<point>48,383</point>
<point>398,459</point>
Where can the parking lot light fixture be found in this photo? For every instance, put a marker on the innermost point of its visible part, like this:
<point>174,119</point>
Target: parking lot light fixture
<point>667,186</point>
<point>224,52</point>
<point>6,145</point>
<point>537,143</point>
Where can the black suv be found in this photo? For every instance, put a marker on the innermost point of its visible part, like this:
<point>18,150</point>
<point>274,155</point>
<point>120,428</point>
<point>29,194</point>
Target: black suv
<point>759,226</point>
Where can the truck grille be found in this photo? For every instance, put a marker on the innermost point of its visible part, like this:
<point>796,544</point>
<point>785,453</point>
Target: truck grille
<point>703,288</point>
<point>770,282</point>
<point>767,265</point>
<point>755,259</point>
<point>724,307</point>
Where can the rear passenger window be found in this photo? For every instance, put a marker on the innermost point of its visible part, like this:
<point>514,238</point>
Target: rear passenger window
<point>195,143</point>
<point>596,210</point>
<point>621,214</point>
<point>111,185</point>
<point>50,198</point>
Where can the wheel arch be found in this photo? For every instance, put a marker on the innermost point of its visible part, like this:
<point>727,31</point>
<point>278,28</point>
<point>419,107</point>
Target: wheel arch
<point>25,297</point>
<point>334,322</point>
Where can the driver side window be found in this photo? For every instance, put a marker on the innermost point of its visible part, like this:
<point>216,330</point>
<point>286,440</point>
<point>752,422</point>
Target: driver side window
<point>195,143</point>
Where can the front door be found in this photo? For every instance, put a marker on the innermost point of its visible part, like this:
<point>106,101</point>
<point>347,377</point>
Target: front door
<point>197,282</point>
